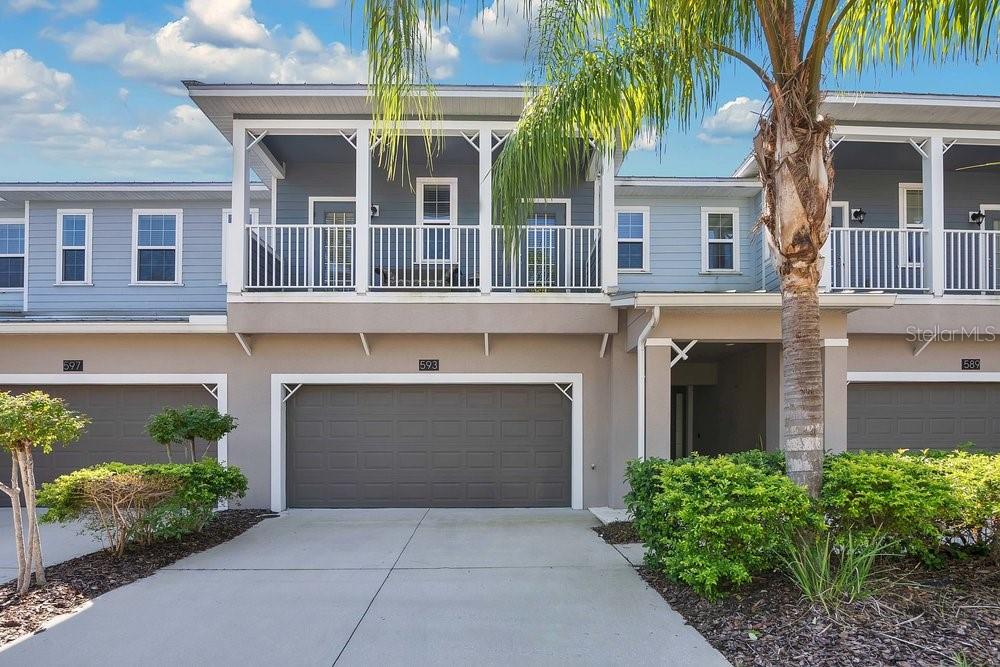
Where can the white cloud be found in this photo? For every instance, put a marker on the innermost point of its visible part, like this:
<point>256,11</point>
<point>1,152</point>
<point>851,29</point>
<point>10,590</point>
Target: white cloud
<point>324,4</point>
<point>733,120</point>
<point>442,54</point>
<point>123,94</point>
<point>223,23</point>
<point>503,30</point>
<point>223,42</point>
<point>306,41</point>
<point>645,140</point>
<point>28,85</point>
<point>38,120</point>
<point>63,7</point>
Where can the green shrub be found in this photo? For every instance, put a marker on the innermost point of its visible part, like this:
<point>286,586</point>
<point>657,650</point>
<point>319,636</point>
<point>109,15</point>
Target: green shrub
<point>767,461</point>
<point>643,477</point>
<point>975,484</point>
<point>903,497</point>
<point>187,426</point>
<point>715,523</point>
<point>829,573</point>
<point>153,501</point>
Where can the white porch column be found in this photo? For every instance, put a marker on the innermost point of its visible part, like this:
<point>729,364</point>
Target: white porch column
<point>609,225</point>
<point>236,229</point>
<point>362,207</point>
<point>933,179</point>
<point>485,209</point>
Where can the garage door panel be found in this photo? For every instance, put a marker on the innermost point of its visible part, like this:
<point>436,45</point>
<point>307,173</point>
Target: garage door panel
<point>117,431</point>
<point>923,415</point>
<point>433,445</point>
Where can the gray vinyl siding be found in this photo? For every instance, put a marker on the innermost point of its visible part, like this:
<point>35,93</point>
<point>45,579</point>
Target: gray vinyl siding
<point>877,192</point>
<point>396,200</point>
<point>202,290</point>
<point>11,302</point>
<point>675,246</point>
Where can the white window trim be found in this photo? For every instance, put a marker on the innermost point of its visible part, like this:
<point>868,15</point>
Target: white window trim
<point>315,200</point>
<point>644,210</point>
<point>87,248</point>
<point>904,254</point>
<point>24,255</point>
<point>178,246</point>
<point>903,188</point>
<point>226,212</point>
<point>452,184</point>
<point>728,210</point>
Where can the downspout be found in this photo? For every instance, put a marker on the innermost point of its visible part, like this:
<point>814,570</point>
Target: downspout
<point>641,393</point>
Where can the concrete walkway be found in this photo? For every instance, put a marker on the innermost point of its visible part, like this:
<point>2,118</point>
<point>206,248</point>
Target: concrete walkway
<point>386,587</point>
<point>59,542</point>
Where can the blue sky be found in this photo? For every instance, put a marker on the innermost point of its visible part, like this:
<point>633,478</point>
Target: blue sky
<point>89,89</point>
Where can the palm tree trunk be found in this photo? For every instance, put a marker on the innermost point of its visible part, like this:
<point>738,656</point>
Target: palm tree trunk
<point>796,172</point>
<point>803,383</point>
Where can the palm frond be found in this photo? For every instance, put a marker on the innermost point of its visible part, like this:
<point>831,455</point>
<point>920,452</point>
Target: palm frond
<point>606,95</point>
<point>869,33</point>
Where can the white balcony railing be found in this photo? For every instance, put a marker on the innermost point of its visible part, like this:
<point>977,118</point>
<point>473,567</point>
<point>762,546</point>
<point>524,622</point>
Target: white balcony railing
<point>878,259</point>
<point>300,257</point>
<point>548,258</point>
<point>412,257</point>
<point>417,258</point>
<point>972,261</point>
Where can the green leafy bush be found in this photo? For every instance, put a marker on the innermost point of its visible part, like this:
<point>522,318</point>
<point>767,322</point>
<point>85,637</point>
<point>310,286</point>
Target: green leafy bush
<point>715,523</point>
<point>141,503</point>
<point>643,477</point>
<point>187,426</point>
<point>975,484</point>
<point>902,497</point>
<point>766,461</point>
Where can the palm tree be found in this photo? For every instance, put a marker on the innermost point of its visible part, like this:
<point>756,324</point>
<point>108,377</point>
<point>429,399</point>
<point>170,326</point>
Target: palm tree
<point>608,69</point>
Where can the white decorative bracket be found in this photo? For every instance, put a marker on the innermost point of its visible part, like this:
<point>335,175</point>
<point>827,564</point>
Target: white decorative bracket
<point>352,138</point>
<point>486,344</point>
<point>681,353</point>
<point>244,343</point>
<point>919,147</point>
<point>213,389</point>
<point>289,391</point>
<point>566,389</point>
<point>364,344</point>
<point>498,139</point>
<point>257,139</point>
<point>604,344</point>
<point>472,139</point>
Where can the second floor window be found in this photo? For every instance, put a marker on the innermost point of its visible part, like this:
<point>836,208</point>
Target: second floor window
<point>720,250</point>
<point>74,235</point>
<point>156,252</point>
<point>437,206</point>
<point>11,255</point>
<point>633,238</point>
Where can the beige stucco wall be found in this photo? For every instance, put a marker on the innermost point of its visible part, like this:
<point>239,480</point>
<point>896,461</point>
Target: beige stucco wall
<point>249,379</point>
<point>894,353</point>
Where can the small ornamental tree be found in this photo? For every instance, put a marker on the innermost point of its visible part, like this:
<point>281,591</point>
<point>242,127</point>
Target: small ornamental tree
<point>187,425</point>
<point>29,421</point>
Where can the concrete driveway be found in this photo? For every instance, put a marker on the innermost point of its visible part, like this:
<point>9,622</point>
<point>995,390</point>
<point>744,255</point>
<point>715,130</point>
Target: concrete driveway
<point>59,542</point>
<point>385,587</point>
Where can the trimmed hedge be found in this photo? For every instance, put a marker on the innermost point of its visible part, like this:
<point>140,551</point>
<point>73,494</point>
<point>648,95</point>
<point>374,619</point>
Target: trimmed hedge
<point>185,498</point>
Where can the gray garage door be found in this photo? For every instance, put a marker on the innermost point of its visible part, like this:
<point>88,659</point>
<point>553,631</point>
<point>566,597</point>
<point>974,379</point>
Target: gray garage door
<point>923,415</point>
<point>428,446</point>
<point>117,430</point>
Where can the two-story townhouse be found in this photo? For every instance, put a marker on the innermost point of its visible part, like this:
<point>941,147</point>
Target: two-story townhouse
<point>382,344</point>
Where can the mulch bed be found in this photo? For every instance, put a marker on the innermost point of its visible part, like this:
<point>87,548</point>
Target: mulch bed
<point>73,582</point>
<point>617,532</point>
<point>918,616</point>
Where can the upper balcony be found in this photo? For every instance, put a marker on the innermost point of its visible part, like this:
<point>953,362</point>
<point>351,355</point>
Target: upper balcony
<point>340,224</point>
<point>918,215</point>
